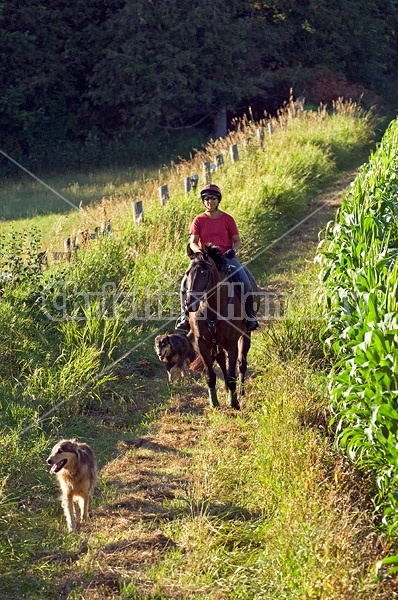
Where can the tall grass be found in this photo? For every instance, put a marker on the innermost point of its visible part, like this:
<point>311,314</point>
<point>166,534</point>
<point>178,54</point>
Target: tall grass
<point>279,176</point>
<point>77,342</point>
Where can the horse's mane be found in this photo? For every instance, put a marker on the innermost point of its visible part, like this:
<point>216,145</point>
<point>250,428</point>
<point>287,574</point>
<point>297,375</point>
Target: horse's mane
<point>214,252</point>
<point>209,252</point>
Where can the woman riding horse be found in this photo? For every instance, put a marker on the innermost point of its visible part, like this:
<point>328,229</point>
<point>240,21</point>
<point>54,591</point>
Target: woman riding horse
<point>218,228</point>
<point>217,321</point>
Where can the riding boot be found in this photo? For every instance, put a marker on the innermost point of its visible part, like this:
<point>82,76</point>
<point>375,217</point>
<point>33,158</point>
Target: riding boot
<point>182,324</point>
<point>251,319</point>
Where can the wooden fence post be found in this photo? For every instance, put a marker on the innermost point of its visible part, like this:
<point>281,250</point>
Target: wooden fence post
<point>163,194</point>
<point>206,172</point>
<point>191,183</point>
<point>106,227</point>
<point>194,181</point>
<point>233,151</point>
<point>260,135</point>
<point>138,212</point>
<point>67,251</point>
<point>219,160</point>
<point>299,104</point>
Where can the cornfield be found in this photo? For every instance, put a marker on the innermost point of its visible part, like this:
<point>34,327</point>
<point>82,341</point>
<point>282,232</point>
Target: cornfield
<point>358,253</point>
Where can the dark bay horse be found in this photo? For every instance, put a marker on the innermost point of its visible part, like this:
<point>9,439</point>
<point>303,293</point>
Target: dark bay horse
<point>217,319</point>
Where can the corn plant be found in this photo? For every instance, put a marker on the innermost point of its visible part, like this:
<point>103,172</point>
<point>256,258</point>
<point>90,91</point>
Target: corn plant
<point>360,275</point>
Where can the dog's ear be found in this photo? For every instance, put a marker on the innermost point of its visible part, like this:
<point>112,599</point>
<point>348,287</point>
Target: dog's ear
<point>69,446</point>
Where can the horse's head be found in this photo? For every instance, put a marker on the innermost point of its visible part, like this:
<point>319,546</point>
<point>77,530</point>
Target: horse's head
<point>203,275</point>
<point>209,251</point>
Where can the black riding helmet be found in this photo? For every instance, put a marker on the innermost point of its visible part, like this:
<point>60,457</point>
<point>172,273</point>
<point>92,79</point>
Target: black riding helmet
<point>211,190</point>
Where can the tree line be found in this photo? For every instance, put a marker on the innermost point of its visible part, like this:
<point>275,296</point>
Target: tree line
<point>79,79</point>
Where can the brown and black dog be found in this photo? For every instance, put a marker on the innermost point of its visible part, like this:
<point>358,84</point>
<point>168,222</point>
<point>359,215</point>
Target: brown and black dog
<point>177,352</point>
<point>75,466</point>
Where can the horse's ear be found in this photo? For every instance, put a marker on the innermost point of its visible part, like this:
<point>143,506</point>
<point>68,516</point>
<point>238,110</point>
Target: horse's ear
<point>192,255</point>
<point>190,252</point>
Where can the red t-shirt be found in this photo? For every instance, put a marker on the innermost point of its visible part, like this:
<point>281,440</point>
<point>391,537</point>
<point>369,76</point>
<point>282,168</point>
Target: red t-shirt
<point>215,231</point>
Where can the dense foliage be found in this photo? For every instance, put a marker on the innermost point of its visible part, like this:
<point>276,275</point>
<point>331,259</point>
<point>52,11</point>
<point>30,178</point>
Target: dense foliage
<point>92,80</point>
<point>360,271</point>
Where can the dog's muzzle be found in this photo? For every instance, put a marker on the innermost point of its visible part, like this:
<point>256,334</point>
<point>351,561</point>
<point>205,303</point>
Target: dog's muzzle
<point>164,352</point>
<point>56,467</point>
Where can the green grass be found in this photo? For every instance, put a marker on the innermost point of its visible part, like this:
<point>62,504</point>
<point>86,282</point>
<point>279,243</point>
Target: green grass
<point>270,515</point>
<point>206,504</point>
<point>54,204</point>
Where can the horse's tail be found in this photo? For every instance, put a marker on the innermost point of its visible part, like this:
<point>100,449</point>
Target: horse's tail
<point>197,365</point>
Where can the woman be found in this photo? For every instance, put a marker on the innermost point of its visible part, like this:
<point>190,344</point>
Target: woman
<point>218,228</point>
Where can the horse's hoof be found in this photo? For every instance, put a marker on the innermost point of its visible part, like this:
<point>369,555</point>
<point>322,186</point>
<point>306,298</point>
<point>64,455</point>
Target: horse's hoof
<point>233,401</point>
<point>213,398</point>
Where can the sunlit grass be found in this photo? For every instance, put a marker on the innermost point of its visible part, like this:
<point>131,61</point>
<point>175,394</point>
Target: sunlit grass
<point>254,509</point>
<point>300,156</point>
<point>54,204</point>
<point>271,512</point>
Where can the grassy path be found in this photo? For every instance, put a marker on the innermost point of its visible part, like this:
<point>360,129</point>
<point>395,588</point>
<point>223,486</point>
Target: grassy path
<point>298,248</point>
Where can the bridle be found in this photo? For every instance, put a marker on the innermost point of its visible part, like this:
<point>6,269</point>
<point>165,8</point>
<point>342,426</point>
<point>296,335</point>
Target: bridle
<point>206,294</point>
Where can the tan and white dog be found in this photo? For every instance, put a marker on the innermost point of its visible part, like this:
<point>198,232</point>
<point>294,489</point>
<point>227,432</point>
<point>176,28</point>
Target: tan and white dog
<point>75,466</point>
<point>177,352</point>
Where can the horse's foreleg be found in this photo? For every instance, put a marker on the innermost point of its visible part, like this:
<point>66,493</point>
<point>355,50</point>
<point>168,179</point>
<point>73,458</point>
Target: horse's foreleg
<point>244,347</point>
<point>221,359</point>
<point>205,353</point>
<point>214,403</point>
<point>231,377</point>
